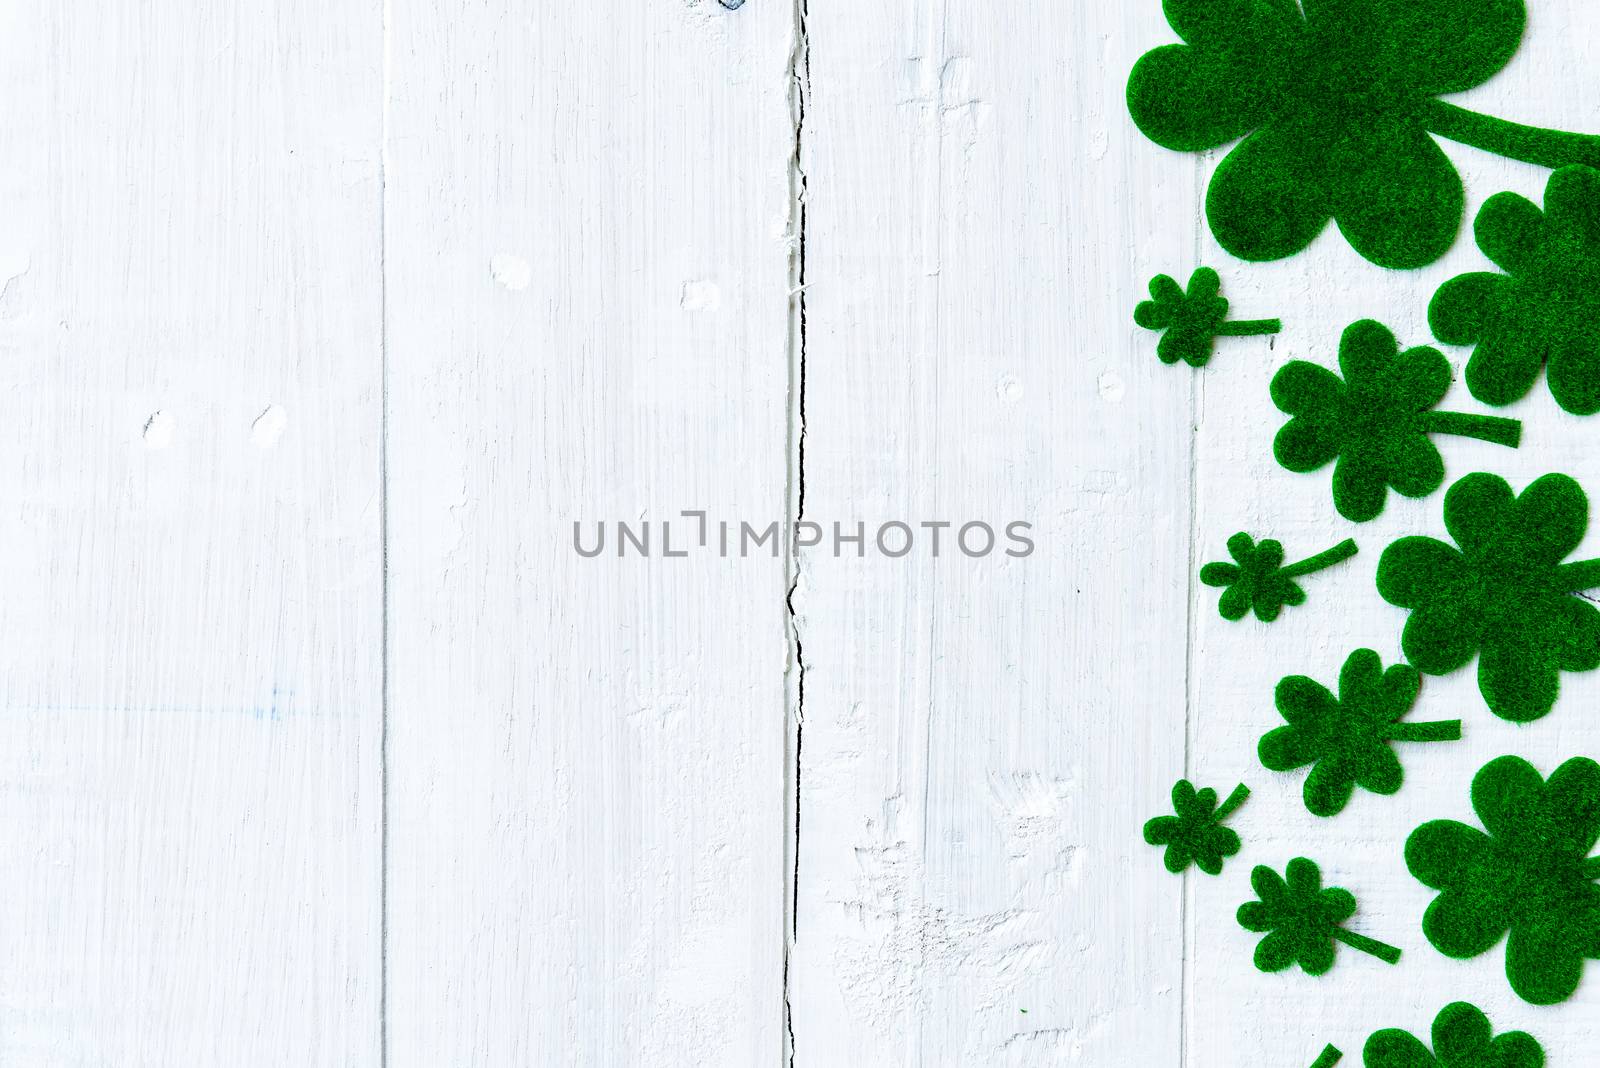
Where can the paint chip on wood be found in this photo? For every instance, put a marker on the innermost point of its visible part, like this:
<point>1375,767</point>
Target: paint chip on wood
<point>511,271</point>
<point>268,427</point>
<point>159,430</point>
<point>700,295</point>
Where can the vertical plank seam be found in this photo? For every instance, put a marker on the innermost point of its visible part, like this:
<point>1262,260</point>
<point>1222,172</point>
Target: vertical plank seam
<point>799,76</point>
<point>385,13</point>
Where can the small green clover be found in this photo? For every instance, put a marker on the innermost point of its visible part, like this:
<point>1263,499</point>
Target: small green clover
<point>1330,1056</point>
<point>1302,920</point>
<point>1375,422</point>
<point>1196,834</point>
<point>1193,320</point>
<point>1505,595</point>
<point>1462,1038</point>
<point>1544,311</point>
<point>1258,580</point>
<point>1347,740</point>
<point>1337,103</point>
<point>1531,874</point>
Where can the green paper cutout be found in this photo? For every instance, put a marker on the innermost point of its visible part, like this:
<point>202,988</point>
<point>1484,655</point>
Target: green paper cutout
<point>1531,874</point>
<point>1336,107</point>
<point>1347,740</point>
<point>1193,320</point>
<point>1331,1055</point>
<point>1302,920</point>
<point>1258,580</point>
<point>1504,595</point>
<point>1462,1038</point>
<point>1196,834</point>
<point>1375,422</point>
<point>1545,308</point>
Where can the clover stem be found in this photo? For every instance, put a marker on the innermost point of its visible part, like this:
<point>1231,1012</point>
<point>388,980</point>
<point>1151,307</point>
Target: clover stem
<point>1530,144</point>
<point>1590,868</point>
<point>1249,327</point>
<point>1490,428</point>
<point>1331,1056</point>
<point>1438,731</point>
<point>1578,575</point>
<point>1382,950</point>
<point>1327,558</point>
<point>1234,800</point>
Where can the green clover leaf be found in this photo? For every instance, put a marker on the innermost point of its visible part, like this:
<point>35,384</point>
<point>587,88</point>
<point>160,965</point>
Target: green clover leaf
<point>1302,920</point>
<point>1504,595</point>
<point>1330,1056</point>
<point>1257,580</point>
<point>1374,424</point>
<point>1347,740</point>
<point>1196,834</point>
<point>1545,309</point>
<point>1530,874</point>
<point>1193,320</point>
<point>1462,1038</point>
<point>1336,105</point>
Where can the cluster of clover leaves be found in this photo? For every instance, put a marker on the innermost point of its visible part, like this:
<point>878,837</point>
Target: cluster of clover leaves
<point>1333,109</point>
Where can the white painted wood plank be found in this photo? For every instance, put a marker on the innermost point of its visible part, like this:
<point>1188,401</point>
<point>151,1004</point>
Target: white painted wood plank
<point>983,738</point>
<point>1236,1014</point>
<point>189,430</point>
<point>588,319</point>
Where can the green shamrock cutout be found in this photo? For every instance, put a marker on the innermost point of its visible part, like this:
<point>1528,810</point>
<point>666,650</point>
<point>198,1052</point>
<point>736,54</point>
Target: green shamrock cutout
<point>1545,309</point>
<point>1258,580</point>
<point>1302,920</point>
<point>1193,320</point>
<point>1196,834</point>
<point>1504,596</point>
<point>1374,424</point>
<point>1530,874</point>
<point>1462,1038</point>
<point>1336,106</point>
<point>1347,739</point>
<point>1331,1055</point>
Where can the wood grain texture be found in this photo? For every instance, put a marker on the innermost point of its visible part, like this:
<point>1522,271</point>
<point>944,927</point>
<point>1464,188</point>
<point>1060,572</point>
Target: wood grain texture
<point>982,738</point>
<point>588,263</point>
<point>190,350</point>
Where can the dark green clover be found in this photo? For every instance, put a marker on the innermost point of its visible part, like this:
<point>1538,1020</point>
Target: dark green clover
<point>1258,580</point>
<point>1462,1038</point>
<point>1376,421</point>
<point>1543,313</point>
<point>1347,739</point>
<point>1193,320</point>
<point>1196,834</point>
<point>1337,105</point>
<point>1529,873</point>
<point>1504,595</point>
<point>1302,920</point>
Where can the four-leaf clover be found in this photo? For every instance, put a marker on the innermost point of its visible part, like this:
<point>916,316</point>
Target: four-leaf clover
<point>1375,423</point>
<point>1336,106</point>
<point>1347,738</point>
<point>1530,874</point>
<point>1504,595</point>
<point>1462,1038</point>
<point>1196,834</point>
<point>1302,920</point>
<point>1193,320</point>
<point>1258,581</point>
<point>1545,310</point>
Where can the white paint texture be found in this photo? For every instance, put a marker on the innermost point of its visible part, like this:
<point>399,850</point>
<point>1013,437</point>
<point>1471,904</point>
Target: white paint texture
<point>321,324</point>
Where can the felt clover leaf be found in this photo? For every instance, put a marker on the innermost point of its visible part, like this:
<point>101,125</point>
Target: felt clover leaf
<point>1336,106</point>
<point>1504,595</point>
<point>1545,309</point>
<point>1347,739</point>
<point>1193,320</point>
<point>1302,920</point>
<point>1529,873</point>
<point>1258,580</point>
<point>1330,1056</point>
<point>1375,422</point>
<point>1462,1038</point>
<point>1196,834</point>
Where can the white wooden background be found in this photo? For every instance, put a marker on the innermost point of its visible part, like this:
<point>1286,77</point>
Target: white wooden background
<point>320,324</point>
